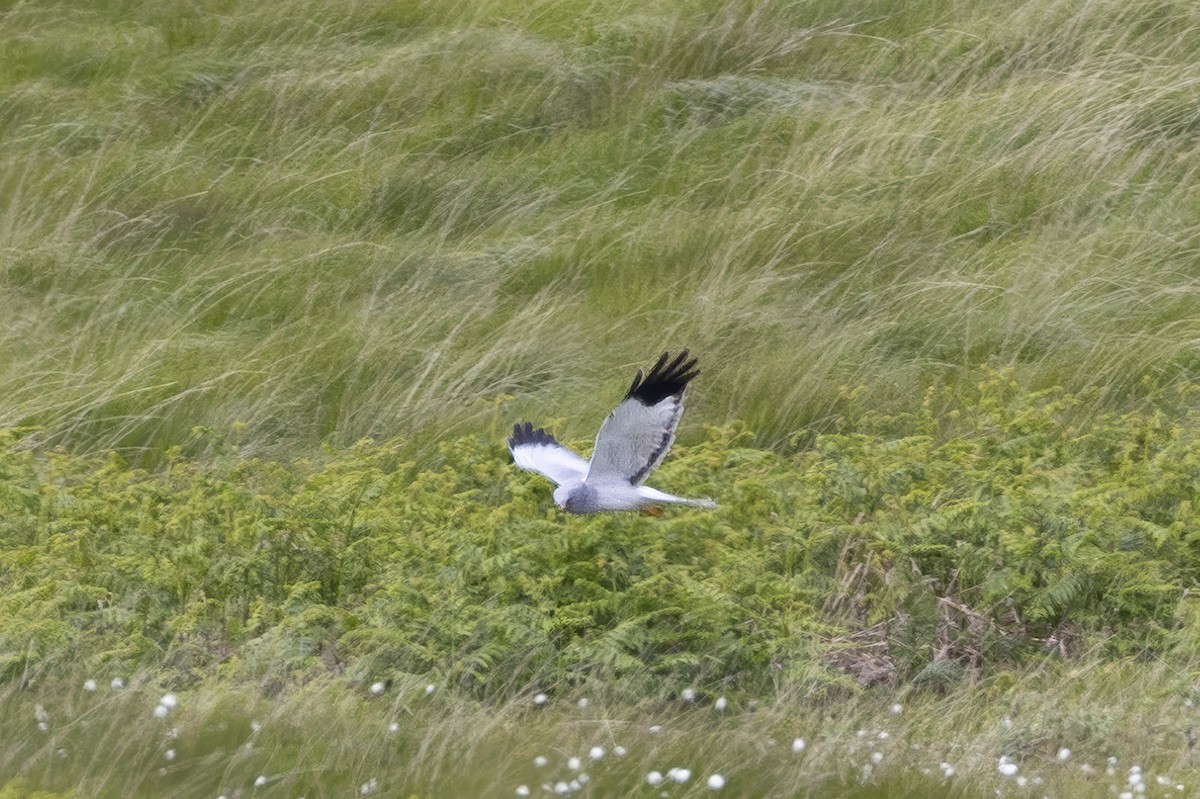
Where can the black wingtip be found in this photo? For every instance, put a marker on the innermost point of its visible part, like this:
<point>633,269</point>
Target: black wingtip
<point>665,379</point>
<point>526,433</point>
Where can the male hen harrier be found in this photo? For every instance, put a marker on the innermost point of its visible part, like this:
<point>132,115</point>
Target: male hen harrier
<point>631,443</point>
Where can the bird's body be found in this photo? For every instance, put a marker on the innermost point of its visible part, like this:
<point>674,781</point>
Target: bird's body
<point>631,443</point>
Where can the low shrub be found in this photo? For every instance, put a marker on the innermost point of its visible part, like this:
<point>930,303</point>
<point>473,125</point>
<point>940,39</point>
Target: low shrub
<point>980,531</point>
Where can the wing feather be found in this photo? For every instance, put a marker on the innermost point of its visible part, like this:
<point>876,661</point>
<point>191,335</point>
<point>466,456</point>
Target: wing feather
<point>537,451</point>
<point>637,435</point>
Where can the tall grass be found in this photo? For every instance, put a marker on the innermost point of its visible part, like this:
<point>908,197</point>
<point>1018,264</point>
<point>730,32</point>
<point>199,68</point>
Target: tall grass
<point>323,740</point>
<point>329,221</point>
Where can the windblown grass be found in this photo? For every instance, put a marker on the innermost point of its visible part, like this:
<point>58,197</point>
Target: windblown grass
<point>331,221</point>
<point>325,740</point>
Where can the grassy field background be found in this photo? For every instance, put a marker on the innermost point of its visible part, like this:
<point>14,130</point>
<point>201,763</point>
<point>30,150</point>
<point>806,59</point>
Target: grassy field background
<point>939,262</point>
<point>330,220</point>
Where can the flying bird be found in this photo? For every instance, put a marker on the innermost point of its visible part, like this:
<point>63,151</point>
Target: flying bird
<point>631,443</point>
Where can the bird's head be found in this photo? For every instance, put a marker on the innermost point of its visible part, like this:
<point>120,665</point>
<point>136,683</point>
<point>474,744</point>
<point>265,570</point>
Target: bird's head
<point>575,498</point>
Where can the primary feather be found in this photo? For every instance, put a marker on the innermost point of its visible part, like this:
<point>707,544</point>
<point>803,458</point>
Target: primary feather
<point>631,443</point>
<point>637,435</point>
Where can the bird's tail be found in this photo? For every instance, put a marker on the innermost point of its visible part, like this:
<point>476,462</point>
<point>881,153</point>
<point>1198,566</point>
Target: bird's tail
<point>654,496</point>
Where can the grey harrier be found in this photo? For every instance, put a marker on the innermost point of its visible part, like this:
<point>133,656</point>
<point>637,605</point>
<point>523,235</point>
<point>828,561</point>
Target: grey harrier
<point>631,443</point>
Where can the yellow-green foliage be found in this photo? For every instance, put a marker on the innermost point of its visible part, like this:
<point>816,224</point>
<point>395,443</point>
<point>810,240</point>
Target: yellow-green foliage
<point>21,789</point>
<point>1011,525</point>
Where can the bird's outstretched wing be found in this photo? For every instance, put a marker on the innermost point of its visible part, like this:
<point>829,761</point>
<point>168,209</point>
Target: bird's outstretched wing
<point>637,435</point>
<point>537,451</point>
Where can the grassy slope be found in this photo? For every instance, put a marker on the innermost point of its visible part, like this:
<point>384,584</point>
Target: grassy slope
<point>329,221</point>
<point>311,222</point>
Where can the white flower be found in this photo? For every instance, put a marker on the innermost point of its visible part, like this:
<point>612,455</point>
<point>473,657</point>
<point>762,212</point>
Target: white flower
<point>1064,754</point>
<point>596,752</point>
<point>561,788</point>
<point>378,688</point>
<point>1021,781</point>
<point>948,770</point>
<point>169,754</point>
<point>620,751</point>
<point>1007,769</point>
<point>654,778</point>
<point>680,775</point>
<point>429,689</point>
<point>897,709</point>
<point>116,684</point>
<point>799,745</point>
<point>368,787</point>
<point>688,694</point>
<point>583,703</point>
<point>877,757</point>
<point>161,711</point>
<point>540,699</point>
<point>394,727</point>
<point>260,781</point>
<point>655,729</point>
<point>716,782</point>
<point>574,763</point>
<point>89,685</point>
<point>883,736</point>
<point>522,790</point>
<point>582,779</point>
<point>1007,724</point>
<point>1125,795</point>
<point>540,761</point>
<point>168,701</point>
<point>721,704</point>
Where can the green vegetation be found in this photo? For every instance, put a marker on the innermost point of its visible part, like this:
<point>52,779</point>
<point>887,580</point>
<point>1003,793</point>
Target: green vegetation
<point>329,222</point>
<point>276,278</point>
<point>1007,538</point>
<point>915,558</point>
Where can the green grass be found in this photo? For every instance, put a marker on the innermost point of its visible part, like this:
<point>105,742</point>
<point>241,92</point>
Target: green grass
<point>330,222</point>
<point>276,279</point>
<point>224,737</point>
